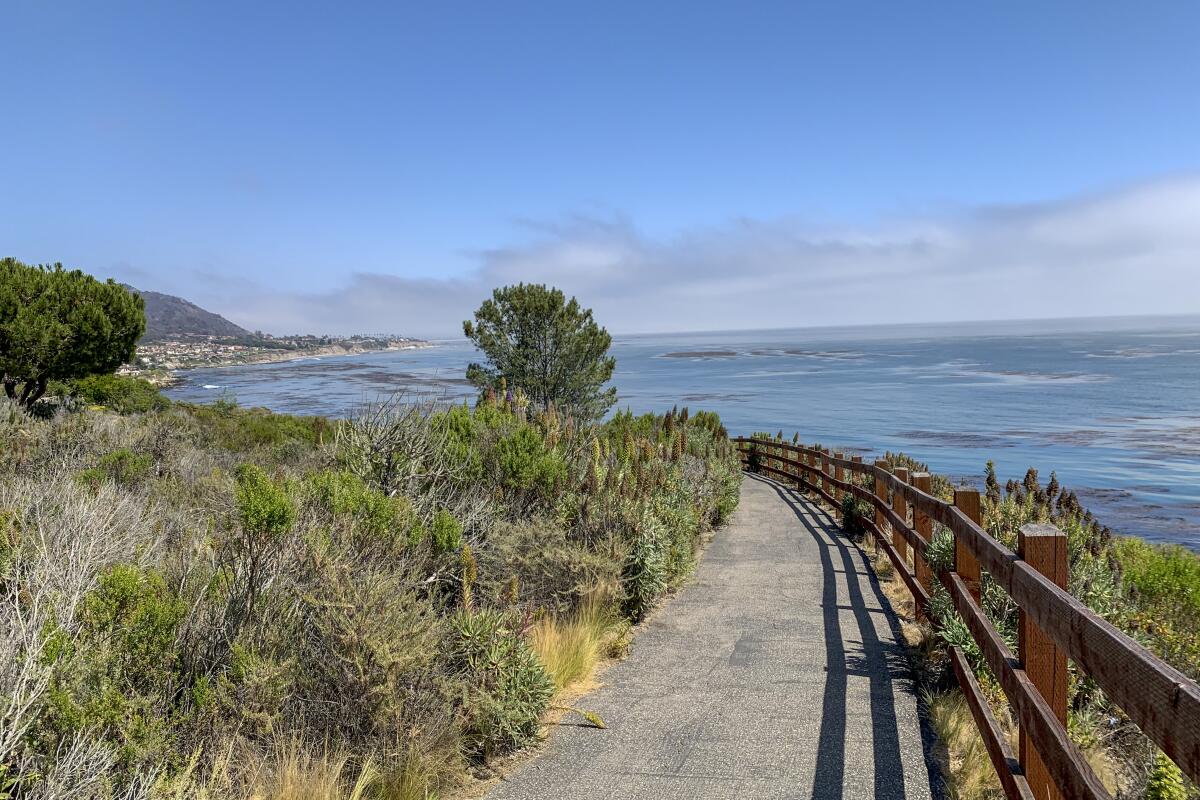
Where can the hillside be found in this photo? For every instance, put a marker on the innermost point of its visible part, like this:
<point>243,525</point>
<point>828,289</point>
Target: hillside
<point>169,317</point>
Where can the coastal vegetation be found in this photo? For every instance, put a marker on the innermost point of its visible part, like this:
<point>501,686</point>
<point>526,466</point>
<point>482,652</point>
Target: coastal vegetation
<point>211,601</point>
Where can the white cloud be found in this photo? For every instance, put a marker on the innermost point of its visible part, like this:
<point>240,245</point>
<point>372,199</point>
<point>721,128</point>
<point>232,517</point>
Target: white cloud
<point>1133,250</point>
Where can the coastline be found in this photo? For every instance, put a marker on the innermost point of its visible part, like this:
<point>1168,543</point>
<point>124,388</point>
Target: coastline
<point>166,375</point>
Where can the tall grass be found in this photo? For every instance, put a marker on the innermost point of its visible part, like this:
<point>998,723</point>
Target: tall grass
<point>570,646</point>
<point>296,773</point>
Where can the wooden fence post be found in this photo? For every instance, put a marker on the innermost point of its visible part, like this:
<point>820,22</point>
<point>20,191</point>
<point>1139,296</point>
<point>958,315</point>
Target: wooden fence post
<point>881,493</point>
<point>900,506</point>
<point>965,563</point>
<point>838,475</point>
<point>825,472</point>
<point>1043,547</point>
<point>923,525</point>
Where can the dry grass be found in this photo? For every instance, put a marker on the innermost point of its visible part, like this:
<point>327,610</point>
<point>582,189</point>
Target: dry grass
<point>297,774</point>
<point>571,647</point>
<point>917,635</point>
<point>968,768</point>
<point>293,771</point>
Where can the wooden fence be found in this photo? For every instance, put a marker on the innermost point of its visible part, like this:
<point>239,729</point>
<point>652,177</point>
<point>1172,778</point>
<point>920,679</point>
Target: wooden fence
<point>1054,625</point>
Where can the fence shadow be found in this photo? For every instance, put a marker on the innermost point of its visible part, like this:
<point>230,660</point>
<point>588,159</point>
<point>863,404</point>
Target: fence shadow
<point>882,662</point>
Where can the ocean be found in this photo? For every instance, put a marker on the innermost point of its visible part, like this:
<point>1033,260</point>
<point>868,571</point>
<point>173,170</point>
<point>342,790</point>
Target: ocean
<point>1111,405</point>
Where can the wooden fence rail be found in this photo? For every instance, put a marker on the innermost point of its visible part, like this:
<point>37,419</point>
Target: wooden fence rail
<point>1054,625</point>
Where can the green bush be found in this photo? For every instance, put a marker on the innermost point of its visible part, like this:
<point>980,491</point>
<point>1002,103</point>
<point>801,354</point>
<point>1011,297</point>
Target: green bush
<point>120,466</point>
<point>1166,780</point>
<point>727,499</point>
<point>1167,576</point>
<point>240,430</point>
<point>264,506</point>
<point>445,532</point>
<point>122,393</point>
<point>460,427</point>
<point>855,515</point>
<point>116,679</point>
<point>681,529</point>
<point>525,464</point>
<point>506,688</point>
<point>645,575</point>
<point>344,494</point>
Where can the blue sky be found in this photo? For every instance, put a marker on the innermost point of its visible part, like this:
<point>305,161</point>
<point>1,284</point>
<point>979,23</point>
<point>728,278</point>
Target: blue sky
<point>339,167</point>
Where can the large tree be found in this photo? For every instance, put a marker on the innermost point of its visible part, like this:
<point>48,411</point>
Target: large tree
<point>547,346</point>
<point>58,324</point>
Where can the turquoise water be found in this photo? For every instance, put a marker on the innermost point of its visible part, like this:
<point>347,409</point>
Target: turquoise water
<point>1112,405</point>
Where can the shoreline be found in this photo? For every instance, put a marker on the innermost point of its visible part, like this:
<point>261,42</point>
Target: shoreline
<point>168,376</point>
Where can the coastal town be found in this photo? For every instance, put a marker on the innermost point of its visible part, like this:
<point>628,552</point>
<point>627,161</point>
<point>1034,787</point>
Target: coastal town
<point>158,359</point>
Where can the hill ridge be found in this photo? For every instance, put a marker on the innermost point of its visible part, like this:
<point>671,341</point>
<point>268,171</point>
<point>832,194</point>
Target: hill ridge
<point>169,316</point>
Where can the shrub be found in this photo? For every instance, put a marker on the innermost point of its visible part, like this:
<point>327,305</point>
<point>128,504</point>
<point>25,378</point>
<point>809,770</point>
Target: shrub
<point>855,514</point>
<point>362,658</point>
<point>547,568</point>
<point>645,576</point>
<point>1167,576</point>
<point>506,688</point>
<point>344,494</point>
<point>675,512</point>
<point>264,506</point>
<point>445,533</point>
<point>525,464</point>
<point>266,512</point>
<point>460,439</point>
<point>240,430</point>
<point>122,393</point>
<point>118,674</point>
<point>1166,781</point>
<point>727,499</point>
<point>120,466</point>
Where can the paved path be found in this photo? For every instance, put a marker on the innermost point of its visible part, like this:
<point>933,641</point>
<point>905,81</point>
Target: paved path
<point>775,674</point>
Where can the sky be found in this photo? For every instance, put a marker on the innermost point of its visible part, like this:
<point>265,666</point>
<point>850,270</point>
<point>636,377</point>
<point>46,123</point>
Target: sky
<point>358,167</point>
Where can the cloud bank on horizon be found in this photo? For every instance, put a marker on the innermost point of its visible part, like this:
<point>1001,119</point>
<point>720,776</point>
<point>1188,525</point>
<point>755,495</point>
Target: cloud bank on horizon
<point>1131,250</point>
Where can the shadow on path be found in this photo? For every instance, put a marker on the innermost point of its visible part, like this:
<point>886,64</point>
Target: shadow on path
<point>881,662</point>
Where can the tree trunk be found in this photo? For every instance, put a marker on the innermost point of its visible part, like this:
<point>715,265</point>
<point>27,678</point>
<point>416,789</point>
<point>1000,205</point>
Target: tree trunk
<point>39,389</point>
<point>10,387</point>
<point>32,391</point>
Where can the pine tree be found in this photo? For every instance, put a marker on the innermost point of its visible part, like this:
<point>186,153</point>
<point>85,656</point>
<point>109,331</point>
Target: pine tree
<point>552,348</point>
<point>58,324</point>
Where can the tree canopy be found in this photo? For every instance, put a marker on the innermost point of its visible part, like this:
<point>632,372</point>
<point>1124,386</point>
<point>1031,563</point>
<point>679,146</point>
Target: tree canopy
<point>549,347</point>
<point>58,324</point>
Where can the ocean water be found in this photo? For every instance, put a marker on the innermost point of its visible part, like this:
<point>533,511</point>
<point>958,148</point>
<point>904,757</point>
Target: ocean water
<point>1112,405</point>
